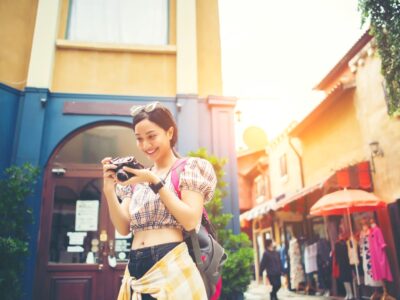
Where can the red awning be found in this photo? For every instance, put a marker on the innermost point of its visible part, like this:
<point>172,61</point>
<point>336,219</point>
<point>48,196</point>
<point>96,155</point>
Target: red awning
<point>357,176</point>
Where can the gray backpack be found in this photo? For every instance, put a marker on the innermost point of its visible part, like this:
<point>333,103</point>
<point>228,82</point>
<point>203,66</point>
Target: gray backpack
<point>204,249</point>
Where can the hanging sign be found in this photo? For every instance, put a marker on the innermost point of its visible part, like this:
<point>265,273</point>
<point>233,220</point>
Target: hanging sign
<point>122,246</point>
<point>76,238</point>
<point>75,249</point>
<point>87,215</point>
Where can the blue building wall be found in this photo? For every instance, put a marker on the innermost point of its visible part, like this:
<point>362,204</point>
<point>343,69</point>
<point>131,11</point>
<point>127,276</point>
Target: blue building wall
<point>9,104</point>
<point>58,126</point>
<point>42,127</point>
<point>34,125</point>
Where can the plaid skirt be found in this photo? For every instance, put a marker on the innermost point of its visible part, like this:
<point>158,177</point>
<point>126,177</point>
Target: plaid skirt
<point>175,276</point>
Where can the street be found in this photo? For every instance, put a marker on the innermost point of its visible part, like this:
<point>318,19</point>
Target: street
<point>259,292</point>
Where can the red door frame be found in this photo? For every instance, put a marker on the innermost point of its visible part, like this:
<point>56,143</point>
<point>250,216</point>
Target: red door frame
<point>111,277</point>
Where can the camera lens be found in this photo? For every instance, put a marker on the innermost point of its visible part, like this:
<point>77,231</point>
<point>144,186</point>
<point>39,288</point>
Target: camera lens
<point>122,176</point>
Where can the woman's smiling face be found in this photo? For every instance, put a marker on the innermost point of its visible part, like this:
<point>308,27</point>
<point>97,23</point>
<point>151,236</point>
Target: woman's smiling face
<point>153,140</point>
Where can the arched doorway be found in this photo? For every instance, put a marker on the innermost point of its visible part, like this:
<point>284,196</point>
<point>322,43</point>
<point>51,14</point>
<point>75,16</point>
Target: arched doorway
<point>80,255</point>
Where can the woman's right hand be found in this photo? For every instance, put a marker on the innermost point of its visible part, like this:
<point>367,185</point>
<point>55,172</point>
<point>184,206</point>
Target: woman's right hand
<point>109,179</point>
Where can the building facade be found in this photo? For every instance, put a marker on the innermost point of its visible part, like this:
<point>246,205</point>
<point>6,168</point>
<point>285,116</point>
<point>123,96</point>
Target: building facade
<point>69,73</point>
<point>347,141</point>
<point>253,183</point>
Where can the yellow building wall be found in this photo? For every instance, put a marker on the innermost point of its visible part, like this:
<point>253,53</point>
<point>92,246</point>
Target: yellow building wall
<point>17,22</point>
<point>333,142</point>
<point>377,125</point>
<point>291,183</point>
<point>118,70</point>
<point>208,48</point>
<point>113,72</point>
<point>111,69</point>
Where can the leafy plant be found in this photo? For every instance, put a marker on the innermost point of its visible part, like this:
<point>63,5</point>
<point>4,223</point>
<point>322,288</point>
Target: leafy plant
<point>384,16</point>
<point>15,186</point>
<point>237,270</point>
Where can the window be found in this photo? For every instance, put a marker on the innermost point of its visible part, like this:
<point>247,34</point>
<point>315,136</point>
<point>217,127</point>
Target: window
<point>92,145</point>
<point>143,22</point>
<point>260,187</point>
<point>283,165</point>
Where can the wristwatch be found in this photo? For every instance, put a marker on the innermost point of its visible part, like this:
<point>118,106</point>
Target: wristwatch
<point>156,187</point>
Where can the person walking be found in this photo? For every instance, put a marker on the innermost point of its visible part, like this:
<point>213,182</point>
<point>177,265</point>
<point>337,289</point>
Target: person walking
<point>271,262</point>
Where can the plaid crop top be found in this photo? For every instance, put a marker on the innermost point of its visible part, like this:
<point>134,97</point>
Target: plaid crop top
<point>147,210</point>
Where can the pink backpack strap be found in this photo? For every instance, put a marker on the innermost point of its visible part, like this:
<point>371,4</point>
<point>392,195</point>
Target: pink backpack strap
<point>176,171</point>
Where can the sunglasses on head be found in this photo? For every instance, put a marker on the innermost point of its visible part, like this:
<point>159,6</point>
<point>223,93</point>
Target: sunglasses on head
<point>135,110</point>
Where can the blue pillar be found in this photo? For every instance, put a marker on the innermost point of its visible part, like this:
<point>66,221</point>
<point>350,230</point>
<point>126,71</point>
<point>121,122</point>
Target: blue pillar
<point>223,145</point>
<point>9,102</point>
<point>30,126</point>
<point>27,148</point>
<point>209,123</point>
<point>188,123</point>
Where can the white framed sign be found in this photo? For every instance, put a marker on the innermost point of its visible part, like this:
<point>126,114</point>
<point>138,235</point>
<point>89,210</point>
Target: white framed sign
<point>87,215</point>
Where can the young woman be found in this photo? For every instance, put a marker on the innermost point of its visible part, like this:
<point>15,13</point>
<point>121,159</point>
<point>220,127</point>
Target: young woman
<point>159,264</point>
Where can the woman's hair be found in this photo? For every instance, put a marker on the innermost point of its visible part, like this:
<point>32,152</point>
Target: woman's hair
<point>161,116</point>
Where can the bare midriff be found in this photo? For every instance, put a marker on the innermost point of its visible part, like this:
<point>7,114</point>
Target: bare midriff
<point>153,237</point>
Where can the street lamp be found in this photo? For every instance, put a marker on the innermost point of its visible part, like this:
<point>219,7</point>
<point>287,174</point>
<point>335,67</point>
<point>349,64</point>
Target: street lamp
<point>376,150</point>
<point>238,114</point>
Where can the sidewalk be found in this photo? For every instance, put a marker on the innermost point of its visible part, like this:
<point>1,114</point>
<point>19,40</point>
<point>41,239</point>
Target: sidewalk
<point>258,292</point>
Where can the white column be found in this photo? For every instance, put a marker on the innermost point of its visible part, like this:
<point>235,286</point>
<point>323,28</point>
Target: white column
<point>186,44</point>
<point>43,46</point>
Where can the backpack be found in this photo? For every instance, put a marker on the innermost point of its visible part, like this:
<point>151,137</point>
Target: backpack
<point>204,249</point>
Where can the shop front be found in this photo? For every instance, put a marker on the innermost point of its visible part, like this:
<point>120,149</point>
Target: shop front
<point>309,241</point>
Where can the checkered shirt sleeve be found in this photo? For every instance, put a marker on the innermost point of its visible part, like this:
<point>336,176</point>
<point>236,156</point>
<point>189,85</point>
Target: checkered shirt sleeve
<point>149,212</point>
<point>199,176</point>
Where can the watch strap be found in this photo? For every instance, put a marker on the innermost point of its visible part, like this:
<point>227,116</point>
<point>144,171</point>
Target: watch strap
<point>156,187</point>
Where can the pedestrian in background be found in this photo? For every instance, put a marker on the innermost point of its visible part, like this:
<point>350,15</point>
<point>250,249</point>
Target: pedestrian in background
<point>271,262</point>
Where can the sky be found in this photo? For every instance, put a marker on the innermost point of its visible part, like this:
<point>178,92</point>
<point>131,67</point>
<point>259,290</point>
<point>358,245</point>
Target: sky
<point>275,51</point>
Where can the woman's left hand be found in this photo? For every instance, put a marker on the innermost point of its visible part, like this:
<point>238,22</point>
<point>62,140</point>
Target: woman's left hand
<point>141,176</point>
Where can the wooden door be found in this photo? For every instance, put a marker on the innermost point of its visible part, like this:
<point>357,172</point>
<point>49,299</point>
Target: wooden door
<point>80,255</point>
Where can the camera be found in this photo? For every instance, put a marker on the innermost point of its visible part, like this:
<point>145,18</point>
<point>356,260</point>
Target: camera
<point>128,161</point>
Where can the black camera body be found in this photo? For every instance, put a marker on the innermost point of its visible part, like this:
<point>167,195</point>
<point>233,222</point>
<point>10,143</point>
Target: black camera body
<point>128,161</point>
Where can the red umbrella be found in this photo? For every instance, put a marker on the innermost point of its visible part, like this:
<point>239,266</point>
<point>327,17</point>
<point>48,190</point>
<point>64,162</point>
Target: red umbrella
<point>345,202</point>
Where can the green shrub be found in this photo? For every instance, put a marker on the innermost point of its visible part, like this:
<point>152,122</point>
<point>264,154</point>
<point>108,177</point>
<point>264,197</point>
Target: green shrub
<point>15,217</point>
<point>237,270</point>
<point>384,17</point>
